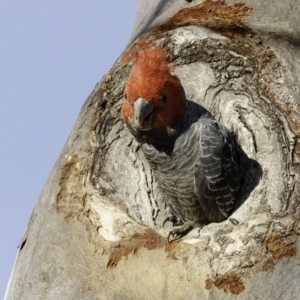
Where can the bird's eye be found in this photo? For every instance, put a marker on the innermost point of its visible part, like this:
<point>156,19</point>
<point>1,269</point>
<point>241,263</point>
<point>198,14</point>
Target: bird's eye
<point>164,99</point>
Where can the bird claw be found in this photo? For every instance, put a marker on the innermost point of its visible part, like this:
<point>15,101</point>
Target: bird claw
<point>179,231</point>
<point>167,219</point>
<point>170,218</point>
<point>175,236</point>
<point>234,221</point>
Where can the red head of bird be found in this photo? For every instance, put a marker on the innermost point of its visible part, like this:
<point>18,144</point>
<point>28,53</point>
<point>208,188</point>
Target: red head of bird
<point>153,96</point>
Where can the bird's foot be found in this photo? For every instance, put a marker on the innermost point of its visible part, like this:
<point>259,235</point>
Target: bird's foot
<point>180,231</point>
<point>173,219</point>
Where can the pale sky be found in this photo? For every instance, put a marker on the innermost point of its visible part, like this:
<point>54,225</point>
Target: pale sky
<point>52,54</point>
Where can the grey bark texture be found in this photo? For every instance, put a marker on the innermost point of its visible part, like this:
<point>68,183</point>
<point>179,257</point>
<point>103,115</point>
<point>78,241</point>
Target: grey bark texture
<point>96,230</point>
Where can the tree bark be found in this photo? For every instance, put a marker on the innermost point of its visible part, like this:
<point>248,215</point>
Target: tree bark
<point>96,231</point>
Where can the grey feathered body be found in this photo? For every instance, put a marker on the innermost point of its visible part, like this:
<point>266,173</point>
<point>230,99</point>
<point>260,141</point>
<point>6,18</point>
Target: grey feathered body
<point>196,166</point>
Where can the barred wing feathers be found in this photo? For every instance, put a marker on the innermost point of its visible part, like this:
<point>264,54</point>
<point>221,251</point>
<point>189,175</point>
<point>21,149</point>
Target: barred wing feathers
<point>217,176</point>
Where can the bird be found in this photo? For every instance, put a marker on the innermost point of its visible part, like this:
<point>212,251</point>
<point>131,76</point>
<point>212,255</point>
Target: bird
<point>194,158</point>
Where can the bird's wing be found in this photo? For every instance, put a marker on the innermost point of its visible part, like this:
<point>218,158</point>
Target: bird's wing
<point>217,176</point>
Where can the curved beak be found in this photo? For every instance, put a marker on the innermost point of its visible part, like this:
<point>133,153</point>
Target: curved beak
<point>143,114</point>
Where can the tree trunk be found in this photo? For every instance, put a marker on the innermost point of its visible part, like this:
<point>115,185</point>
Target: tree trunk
<point>96,231</point>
